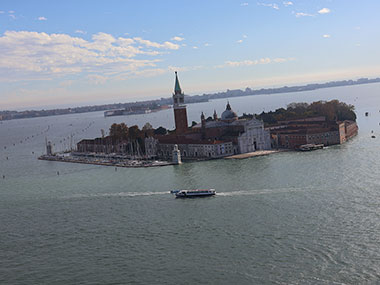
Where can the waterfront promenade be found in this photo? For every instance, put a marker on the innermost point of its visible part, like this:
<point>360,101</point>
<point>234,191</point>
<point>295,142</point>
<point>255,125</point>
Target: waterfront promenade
<point>131,163</point>
<point>255,153</point>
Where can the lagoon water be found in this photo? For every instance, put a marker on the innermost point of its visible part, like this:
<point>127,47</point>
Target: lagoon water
<point>287,218</point>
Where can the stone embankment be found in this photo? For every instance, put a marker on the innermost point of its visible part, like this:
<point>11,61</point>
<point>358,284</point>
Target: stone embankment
<point>255,153</point>
<point>106,162</point>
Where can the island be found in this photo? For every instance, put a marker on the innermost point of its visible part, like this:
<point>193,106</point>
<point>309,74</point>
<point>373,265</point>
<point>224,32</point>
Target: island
<point>300,126</point>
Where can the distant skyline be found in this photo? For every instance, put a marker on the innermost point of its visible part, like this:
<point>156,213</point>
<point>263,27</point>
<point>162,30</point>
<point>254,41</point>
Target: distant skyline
<point>93,52</point>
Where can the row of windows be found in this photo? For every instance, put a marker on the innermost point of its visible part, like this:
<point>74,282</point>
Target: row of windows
<point>321,136</point>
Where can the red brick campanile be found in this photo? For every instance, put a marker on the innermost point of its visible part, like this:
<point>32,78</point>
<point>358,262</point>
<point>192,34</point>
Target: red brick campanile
<point>180,114</point>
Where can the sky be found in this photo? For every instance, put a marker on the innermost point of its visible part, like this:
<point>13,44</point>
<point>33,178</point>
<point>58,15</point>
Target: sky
<point>74,53</point>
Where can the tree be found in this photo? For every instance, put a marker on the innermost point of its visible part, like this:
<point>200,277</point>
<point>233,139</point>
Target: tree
<point>332,110</point>
<point>148,130</point>
<point>119,132</point>
<point>147,126</point>
<point>160,131</point>
<point>133,132</point>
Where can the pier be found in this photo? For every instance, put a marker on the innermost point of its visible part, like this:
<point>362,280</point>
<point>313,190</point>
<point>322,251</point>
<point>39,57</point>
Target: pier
<point>254,154</point>
<point>105,160</point>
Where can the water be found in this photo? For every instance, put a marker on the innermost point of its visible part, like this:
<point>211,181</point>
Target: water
<point>287,218</point>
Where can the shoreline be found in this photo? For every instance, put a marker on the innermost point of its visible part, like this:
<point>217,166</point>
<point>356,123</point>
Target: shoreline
<point>128,163</point>
<point>208,97</point>
<point>256,154</point>
<point>125,164</point>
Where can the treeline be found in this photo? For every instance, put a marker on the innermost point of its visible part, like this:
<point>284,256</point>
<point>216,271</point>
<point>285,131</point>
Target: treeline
<point>121,132</point>
<point>132,136</point>
<point>333,111</point>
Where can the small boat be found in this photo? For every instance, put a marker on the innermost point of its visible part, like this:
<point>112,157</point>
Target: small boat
<point>193,193</point>
<point>373,137</point>
<point>309,147</point>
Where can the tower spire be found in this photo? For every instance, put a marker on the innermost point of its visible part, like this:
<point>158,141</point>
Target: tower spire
<point>180,114</point>
<point>215,116</point>
<point>177,87</point>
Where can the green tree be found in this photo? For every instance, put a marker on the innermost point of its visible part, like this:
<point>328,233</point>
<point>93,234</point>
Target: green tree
<point>160,131</point>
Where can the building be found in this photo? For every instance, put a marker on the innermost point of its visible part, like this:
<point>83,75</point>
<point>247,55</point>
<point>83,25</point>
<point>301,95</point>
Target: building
<point>180,113</point>
<point>211,138</point>
<point>292,134</point>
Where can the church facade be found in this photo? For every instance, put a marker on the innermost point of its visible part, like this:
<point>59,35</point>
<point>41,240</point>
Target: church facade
<point>211,138</point>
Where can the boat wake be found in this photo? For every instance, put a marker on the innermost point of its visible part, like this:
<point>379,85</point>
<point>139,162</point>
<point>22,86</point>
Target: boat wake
<point>222,194</point>
<point>260,191</point>
<point>120,194</point>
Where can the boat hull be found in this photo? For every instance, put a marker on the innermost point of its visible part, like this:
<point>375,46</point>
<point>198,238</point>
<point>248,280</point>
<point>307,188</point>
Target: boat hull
<point>194,193</point>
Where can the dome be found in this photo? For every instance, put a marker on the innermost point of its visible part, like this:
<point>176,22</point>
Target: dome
<point>228,114</point>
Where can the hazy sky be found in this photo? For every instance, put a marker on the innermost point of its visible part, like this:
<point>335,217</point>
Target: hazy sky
<point>91,52</point>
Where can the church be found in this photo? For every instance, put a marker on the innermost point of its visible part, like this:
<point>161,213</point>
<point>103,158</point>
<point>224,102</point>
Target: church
<point>212,138</point>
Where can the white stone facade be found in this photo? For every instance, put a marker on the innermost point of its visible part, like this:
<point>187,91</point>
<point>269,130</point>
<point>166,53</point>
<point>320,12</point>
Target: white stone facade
<point>255,137</point>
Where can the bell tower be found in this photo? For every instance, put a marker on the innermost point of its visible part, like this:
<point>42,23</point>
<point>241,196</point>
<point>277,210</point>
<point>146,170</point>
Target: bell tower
<point>180,113</point>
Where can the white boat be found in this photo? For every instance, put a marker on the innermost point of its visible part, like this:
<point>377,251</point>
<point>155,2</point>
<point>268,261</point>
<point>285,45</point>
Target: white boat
<point>193,193</point>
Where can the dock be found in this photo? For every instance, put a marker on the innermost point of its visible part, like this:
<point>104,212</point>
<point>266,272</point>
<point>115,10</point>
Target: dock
<point>254,154</point>
<point>106,162</point>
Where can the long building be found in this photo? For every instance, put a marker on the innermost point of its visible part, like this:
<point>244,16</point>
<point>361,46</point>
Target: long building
<point>292,134</point>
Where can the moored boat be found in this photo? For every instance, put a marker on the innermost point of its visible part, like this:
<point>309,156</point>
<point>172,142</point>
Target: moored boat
<point>193,193</point>
<point>309,147</point>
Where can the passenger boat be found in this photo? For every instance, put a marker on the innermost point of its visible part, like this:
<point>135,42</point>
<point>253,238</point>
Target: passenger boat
<point>193,193</point>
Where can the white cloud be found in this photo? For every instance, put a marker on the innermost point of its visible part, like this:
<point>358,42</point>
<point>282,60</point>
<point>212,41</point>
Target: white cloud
<point>80,32</point>
<point>287,3</point>
<point>1,12</point>
<point>169,45</point>
<point>239,41</point>
<point>207,44</point>
<point>11,12</point>
<point>245,36</point>
<point>165,45</point>
<point>42,19</point>
<point>272,5</point>
<point>195,47</point>
<point>178,39</point>
<point>244,4</point>
<point>326,36</point>
<point>302,14</point>
<point>184,68</point>
<point>12,16</point>
<point>255,62</point>
<point>33,55</point>
<point>324,11</point>
<point>97,79</point>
